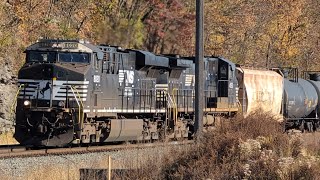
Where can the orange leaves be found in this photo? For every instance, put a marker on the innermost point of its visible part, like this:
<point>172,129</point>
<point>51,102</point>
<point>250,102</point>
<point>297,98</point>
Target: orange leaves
<point>69,19</point>
<point>170,27</point>
<point>251,32</point>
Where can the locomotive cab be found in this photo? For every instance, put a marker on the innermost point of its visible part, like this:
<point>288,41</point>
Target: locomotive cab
<point>221,84</point>
<point>53,87</point>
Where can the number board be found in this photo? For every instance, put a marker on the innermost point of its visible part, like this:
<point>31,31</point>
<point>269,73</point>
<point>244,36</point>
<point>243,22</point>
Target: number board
<point>70,45</point>
<point>66,45</point>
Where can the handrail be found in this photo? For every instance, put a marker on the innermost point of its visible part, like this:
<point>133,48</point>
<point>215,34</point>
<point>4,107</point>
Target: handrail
<point>170,101</point>
<point>80,118</point>
<point>175,110</point>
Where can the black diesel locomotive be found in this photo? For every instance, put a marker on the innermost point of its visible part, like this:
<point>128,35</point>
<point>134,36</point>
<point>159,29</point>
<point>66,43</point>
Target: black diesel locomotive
<point>73,92</point>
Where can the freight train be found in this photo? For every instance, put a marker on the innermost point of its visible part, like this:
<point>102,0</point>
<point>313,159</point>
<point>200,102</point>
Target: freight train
<point>73,92</point>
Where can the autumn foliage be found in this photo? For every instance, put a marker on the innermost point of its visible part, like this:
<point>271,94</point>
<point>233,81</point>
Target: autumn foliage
<point>256,32</point>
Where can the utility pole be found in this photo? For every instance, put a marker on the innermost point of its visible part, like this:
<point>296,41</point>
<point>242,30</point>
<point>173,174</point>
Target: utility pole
<point>198,126</point>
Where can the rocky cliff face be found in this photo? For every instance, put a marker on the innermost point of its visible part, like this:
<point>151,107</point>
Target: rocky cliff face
<point>8,90</point>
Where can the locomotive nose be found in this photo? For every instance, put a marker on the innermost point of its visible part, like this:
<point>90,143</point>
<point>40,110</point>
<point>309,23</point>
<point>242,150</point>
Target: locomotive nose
<point>37,71</point>
<point>47,71</point>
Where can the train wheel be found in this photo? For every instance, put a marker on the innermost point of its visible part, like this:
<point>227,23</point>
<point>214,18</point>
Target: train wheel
<point>316,126</point>
<point>301,127</point>
<point>310,126</point>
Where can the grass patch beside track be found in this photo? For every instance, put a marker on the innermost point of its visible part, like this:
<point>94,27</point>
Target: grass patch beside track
<point>254,147</point>
<point>7,138</point>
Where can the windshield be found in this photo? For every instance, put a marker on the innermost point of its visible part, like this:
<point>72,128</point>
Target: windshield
<point>74,57</point>
<point>47,56</point>
<point>41,56</point>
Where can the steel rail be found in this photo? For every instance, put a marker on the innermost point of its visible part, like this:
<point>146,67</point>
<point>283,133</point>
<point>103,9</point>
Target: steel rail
<point>23,152</point>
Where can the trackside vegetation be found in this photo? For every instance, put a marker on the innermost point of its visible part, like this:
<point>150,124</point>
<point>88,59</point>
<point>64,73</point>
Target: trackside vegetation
<point>254,147</point>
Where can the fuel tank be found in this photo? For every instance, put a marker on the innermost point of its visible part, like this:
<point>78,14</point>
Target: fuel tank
<point>125,130</point>
<point>300,98</point>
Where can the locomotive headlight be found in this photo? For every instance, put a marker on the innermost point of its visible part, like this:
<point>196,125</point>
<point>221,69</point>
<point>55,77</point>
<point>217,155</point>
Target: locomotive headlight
<point>61,104</point>
<point>26,103</point>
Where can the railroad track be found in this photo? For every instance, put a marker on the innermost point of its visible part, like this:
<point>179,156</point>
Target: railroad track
<point>13,151</point>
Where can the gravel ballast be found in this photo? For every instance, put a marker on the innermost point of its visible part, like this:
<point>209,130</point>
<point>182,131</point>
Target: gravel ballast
<point>67,166</point>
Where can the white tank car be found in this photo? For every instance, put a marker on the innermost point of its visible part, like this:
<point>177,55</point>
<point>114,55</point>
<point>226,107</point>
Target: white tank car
<point>260,90</point>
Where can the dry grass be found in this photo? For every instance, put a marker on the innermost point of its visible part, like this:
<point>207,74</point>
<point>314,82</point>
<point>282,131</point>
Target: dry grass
<point>254,147</point>
<point>129,164</point>
<point>7,138</point>
<point>54,172</point>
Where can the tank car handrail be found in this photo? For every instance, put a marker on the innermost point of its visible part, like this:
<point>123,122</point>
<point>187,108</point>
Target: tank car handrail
<point>252,67</point>
<point>304,74</point>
